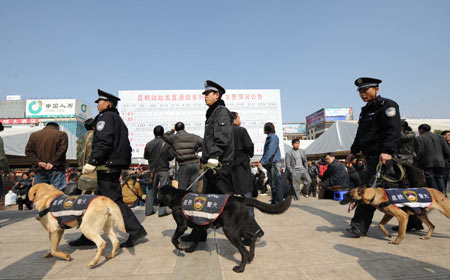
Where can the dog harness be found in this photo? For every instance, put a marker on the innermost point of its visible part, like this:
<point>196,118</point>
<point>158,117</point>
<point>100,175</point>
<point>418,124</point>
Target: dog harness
<point>203,209</point>
<point>67,209</point>
<point>415,199</point>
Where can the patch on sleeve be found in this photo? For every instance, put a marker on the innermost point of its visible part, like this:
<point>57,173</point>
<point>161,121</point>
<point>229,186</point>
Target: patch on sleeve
<point>390,112</point>
<point>100,125</point>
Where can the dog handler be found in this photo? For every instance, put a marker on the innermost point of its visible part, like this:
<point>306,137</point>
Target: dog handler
<point>218,147</point>
<point>111,152</point>
<point>378,137</point>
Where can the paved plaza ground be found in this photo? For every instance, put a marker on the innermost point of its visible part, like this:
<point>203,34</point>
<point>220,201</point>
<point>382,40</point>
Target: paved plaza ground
<point>306,242</point>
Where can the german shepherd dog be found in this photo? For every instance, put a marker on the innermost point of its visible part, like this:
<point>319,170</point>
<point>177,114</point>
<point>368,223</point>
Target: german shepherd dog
<point>233,219</point>
<point>101,216</point>
<point>376,196</point>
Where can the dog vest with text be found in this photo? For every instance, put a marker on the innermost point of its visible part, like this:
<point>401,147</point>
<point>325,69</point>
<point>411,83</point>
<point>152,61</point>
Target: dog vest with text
<point>203,209</point>
<point>67,209</point>
<point>416,199</point>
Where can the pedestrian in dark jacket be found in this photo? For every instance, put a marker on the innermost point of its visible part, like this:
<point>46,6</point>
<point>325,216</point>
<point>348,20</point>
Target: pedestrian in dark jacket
<point>313,172</point>
<point>21,189</point>
<point>271,160</point>
<point>407,154</point>
<point>432,153</point>
<point>242,175</point>
<point>158,153</point>
<point>354,172</point>
<point>335,176</point>
<point>47,150</point>
<point>218,147</point>
<point>111,153</point>
<point>377,137</point>
<point>186,146</point>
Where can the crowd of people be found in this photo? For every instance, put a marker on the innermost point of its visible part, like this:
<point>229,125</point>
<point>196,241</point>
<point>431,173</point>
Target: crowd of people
<point>220,162</point>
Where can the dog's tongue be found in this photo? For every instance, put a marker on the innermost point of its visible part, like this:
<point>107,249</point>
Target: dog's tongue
<point>351,205</point>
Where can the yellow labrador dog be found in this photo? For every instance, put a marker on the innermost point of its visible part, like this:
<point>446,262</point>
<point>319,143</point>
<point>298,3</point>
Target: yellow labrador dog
<point>101,216</point>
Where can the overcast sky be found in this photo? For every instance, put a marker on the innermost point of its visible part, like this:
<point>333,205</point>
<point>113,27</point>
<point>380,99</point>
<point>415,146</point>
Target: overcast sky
<point>311,50</point>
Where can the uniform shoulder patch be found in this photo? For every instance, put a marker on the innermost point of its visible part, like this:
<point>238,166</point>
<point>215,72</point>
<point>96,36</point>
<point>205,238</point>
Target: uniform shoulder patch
<point>390,112</point>
<point>100,125</point>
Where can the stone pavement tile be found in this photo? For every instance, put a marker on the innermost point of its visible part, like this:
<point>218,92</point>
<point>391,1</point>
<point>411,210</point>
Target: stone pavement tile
<point>355,271</point>
<point>409,267</point>
<point>114,267</point>
<point>439,260</point>
<point>28,269</point>
<point>133,277</point>
<point>282,259</point>
<point>262,274</point>
<point>65,278</point>
<point>12,252</point>
<point>203,263</point>
<point>153,264</point>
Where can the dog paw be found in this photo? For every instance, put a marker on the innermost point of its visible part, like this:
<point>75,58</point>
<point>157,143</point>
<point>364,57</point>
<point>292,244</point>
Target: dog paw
<point>394,242</point>
<point>92,264</point>
<point>109,256</point>
<point>66,257</point>
<point>238,269</point>
<point>424,237</point>
<point>48,255</point>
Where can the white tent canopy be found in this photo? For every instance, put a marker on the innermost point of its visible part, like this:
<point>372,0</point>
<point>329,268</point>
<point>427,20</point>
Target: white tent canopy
<point>16,139</point>
<point>337,138</point>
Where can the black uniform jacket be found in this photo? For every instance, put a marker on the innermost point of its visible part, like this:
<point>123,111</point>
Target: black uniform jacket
<point>110,145</point>
<point>218,141</point>
<point>379,128</point>
<point>244,150</point>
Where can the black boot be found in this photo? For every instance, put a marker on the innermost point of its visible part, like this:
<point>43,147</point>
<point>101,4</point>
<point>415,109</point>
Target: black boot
<point>133,239</point>
<point>81,241</point>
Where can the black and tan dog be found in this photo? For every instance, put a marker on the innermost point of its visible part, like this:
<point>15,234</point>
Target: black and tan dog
<point>377,197</point>
<point>233,219</point>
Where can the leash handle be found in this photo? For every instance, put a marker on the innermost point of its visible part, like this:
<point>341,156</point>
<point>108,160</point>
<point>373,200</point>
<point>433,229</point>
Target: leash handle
<point>214,170</point>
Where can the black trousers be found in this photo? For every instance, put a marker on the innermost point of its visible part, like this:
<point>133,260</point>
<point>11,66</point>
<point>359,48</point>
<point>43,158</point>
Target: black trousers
<point>219,183</point>
<point>364,212</point>
<point>187,174</point>
<point>109,186</point>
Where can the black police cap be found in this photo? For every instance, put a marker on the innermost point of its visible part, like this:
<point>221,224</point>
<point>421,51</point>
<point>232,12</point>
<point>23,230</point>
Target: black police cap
<point>364,82</point>
<point>102,95</point>
<point>212,86</point>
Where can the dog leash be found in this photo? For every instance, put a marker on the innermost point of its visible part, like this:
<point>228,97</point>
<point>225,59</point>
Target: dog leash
<point>378,174</point>
<point>219,166</point>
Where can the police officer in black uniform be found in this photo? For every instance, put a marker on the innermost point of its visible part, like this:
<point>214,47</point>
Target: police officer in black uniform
<point>111,152</point>
<point>218,147</point>
<point>378,137</point>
